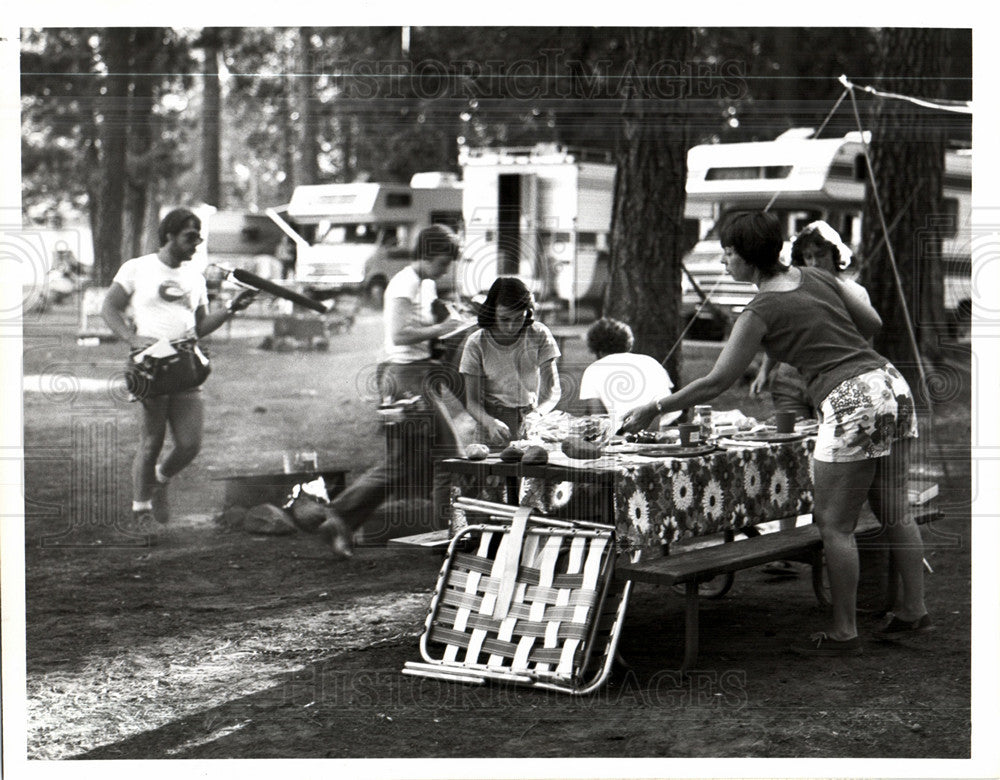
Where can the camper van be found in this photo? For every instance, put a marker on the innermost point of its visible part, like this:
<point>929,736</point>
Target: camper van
<point>355,237</point>
<point>799,179</point>
<point>542,213</point>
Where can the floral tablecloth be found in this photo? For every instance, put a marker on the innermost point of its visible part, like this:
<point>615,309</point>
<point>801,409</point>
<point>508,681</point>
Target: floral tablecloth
<point>658,500</point>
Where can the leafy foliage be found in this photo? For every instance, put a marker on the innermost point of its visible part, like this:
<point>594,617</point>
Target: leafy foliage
<point>381,103</point>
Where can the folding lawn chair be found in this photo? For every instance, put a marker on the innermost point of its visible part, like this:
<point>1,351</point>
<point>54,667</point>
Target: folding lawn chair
<point>534,603</point>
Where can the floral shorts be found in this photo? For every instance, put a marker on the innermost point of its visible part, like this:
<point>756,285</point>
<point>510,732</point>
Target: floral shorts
<point>862,416</point>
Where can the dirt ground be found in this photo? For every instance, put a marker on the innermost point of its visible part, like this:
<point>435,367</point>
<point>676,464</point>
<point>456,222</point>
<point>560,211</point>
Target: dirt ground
<point>218,644</point>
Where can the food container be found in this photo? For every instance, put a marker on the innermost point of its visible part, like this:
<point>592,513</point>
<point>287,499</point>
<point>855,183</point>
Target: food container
<point>690,434</point>
<point>702,417</point>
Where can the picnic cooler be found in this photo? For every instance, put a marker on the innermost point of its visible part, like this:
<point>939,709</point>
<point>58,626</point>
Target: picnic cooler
<point>527,600</point>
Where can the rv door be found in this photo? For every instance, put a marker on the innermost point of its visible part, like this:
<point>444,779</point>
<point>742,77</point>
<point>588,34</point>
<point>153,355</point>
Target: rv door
<point>517,224</point>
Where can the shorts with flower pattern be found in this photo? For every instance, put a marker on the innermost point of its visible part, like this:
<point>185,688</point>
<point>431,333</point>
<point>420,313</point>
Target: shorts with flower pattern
<point>863,415</point>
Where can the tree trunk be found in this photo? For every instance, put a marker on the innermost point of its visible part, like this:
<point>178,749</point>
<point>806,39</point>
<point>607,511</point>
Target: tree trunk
<point>647,239</point>
<point>287,135</point>
<point>307,168</point>
<point>113,107</point>
<point>140,138</point>
<point>907,153</point>
<point>211,118</point>
<point>347,127</point>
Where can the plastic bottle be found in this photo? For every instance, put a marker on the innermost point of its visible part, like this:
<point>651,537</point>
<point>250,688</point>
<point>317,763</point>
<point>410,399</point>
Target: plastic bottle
<point>703,416</point>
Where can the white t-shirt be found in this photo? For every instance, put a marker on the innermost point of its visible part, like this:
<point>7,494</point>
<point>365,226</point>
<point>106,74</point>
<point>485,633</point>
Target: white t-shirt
<point>624,381</point>
<point>163,299</point>
<point>511,372</point>
<point>421,293</point>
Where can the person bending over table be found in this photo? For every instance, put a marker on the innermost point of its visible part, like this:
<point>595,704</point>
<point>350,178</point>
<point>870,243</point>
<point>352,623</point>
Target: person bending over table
<point>509,363</point>
<point>807,318</point>
<point>817,246</point>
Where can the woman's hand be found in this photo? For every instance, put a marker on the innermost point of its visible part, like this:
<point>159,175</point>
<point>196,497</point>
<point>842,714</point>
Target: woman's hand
<point>638,419</point>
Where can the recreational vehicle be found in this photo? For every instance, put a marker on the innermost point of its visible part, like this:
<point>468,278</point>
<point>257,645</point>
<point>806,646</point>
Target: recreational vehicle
<point>801,179</point>
<point>355,237</point>
<point>543,213</point>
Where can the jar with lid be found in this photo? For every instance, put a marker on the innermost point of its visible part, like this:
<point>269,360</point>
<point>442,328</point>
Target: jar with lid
<point>702,416</point>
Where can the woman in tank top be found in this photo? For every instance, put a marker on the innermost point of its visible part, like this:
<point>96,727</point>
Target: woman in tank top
<point>805,317</point>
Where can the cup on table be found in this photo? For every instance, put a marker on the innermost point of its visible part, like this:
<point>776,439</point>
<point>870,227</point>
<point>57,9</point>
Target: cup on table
<point>784,422</point>
<point>690,434</point>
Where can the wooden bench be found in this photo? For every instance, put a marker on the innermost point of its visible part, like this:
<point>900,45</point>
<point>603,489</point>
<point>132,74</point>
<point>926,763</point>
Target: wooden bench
<point>698,564</point>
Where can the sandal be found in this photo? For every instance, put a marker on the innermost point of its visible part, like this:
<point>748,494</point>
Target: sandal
<point>821,645</point>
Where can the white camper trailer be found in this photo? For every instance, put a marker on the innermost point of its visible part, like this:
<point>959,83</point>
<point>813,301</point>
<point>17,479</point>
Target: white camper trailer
<point>355,237</point>
<point>542,213</point>
<point>801,179</point>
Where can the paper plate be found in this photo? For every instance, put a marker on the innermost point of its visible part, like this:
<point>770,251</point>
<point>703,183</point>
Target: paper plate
<point>673,450</point>
<point>768,436</point>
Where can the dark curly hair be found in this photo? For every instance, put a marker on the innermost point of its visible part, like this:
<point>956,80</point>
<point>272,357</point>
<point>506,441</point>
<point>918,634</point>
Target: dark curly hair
<point>609,337</point>
<point>174,222</point>
<point>506,291</point>
<point>812,236</point>
<point>756,237</point>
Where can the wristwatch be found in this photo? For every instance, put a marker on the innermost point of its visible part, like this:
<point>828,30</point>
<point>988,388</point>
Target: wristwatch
<point>659,409</point>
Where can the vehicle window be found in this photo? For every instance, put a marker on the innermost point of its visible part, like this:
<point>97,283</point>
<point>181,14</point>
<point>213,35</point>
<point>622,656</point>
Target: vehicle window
<point>799,219</point>
<point>348,234</point>
<point>748,172</point>
<point>395,235</point>
<point>398,200</point>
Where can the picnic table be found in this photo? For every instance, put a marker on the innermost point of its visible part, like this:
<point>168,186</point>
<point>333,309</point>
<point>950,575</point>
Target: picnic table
<point>652,501</point>
<point>673,521</point>
<point>656,502</point>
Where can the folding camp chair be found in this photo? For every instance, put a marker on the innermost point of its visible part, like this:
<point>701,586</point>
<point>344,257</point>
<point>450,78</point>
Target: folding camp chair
<point>534,603</point>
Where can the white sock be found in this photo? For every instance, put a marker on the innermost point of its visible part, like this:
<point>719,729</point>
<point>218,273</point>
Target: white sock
<point>140,505</point>
<point>160,476</point>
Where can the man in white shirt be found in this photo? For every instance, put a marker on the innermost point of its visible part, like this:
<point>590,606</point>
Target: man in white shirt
<point>168,300</point>
<point>409,370</point>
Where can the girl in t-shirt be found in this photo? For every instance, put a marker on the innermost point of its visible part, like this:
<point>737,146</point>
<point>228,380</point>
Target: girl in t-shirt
<point>509,363</point>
